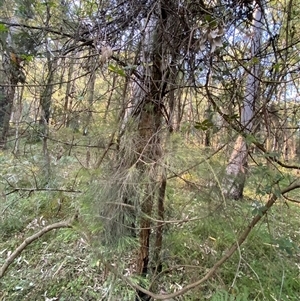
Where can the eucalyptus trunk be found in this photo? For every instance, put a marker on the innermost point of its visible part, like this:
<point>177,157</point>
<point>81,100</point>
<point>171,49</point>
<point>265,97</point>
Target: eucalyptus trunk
<point>70,89</point>
<point>46,96</point>
<point>45,103</point>
<point>235,175</point>
<point>91,92</point>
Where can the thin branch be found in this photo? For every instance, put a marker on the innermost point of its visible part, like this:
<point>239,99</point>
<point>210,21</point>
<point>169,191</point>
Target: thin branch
<point>291,200</point>
<point>47,29</point>
<point>16,189</point>
<point>32,238</point>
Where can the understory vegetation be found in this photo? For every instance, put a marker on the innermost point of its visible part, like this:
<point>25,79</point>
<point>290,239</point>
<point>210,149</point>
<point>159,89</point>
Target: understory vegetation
<point>200,225</point>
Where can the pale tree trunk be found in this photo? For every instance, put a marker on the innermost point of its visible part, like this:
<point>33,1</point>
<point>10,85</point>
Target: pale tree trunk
<point>111,93</point>
<point>176,101</point>
<point>17,118</point>
<point>90,92</point>
<point>285,145</point>
<point>207,137</point>
<point>288,42</point>
<point>69,93</point>
<point>46,96</point>
<point>160,223</point>
<point>45,103</point>
<point>235,175</point>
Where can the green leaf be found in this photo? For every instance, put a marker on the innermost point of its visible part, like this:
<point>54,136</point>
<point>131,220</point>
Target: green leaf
<point>27,58</point>
<point>207,18</point>
<point>259,210</point>
<point>117,69</point>
<point>250,139</point>
<point>109,18</point>
<point>233,117</point>
<point>204,125</point>
<point>213,24</point>
<point>286,244</point>
<point>3,28</point>
<point>276,67</point>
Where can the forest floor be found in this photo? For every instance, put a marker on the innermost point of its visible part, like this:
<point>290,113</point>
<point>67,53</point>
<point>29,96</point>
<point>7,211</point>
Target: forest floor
<point>70,263</point>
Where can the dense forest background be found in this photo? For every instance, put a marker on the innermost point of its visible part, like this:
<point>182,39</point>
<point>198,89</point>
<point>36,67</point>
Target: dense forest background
<point>149,150</point>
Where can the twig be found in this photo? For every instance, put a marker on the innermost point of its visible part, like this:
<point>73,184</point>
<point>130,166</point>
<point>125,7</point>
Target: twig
<point>47,29</point>
<point>16,189</point>
<point>291,200</point>
<point>257,277</point>
<point>238,268</point>
<point>32,238</point>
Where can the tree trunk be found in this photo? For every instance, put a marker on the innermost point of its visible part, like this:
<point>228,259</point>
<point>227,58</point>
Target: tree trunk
<point>9,78</point>
<point>235,175</point>
<point>160,223</point>
<point>6,104</point>
<point>149,152</point>
<point>236,170</point>
<point>148,98</point>
<point>17,118</point>
<point>90,92</point>
<point>46,96</point>
<point>45,103</point>
<point>69,93</point>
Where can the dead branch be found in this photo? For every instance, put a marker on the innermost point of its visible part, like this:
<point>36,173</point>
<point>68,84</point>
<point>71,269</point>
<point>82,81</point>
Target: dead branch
<point>32,238</point>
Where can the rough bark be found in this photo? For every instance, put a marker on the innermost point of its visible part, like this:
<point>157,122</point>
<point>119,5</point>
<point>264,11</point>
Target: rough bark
<point>6,105</point>
<point>9,79</point>
<point>149,152</point>
<point>160,223</point>
<point>148,148</point>
<point>148,141</point>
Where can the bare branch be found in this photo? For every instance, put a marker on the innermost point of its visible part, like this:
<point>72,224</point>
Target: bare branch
<point>32,238</point>
<point>16,189</point>
<point>291,200</point>
<point>47,29</point>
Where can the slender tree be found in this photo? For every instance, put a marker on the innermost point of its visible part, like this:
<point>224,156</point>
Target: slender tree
<point>236,169</point>
<point>10,75</point>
